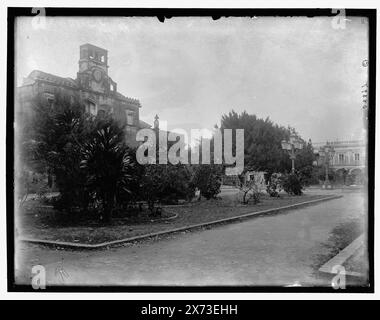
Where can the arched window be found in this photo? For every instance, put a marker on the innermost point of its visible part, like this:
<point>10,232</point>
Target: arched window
<point>49,98</point>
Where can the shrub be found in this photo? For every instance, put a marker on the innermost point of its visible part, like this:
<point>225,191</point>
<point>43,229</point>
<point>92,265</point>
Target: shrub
<point>178,184</point>
<point>274,185</point>
<point>166,184</point>
<point>291,184</point>
<point>251,190</point>
<point>208,179</point>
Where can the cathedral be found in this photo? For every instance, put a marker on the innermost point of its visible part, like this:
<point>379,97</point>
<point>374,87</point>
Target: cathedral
<point>93,86</point>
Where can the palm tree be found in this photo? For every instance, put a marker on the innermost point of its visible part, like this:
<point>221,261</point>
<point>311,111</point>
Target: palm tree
<point>107,163</point>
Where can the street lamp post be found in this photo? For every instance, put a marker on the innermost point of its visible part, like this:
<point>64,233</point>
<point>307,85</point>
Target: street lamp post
<point>327,152</point>
<point>292,146</point>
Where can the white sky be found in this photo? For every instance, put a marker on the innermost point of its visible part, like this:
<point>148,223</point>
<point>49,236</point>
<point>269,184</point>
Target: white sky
<point>298,71</point>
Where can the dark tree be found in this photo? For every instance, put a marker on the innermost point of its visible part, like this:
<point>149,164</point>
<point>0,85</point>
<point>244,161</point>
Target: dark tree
<point>107,165</point>
<point>51,142</point>
<point>262,144</point>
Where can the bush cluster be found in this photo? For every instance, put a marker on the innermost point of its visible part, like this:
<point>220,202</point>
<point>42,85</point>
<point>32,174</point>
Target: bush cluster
<point>274,185</point>
<point>291,184</point>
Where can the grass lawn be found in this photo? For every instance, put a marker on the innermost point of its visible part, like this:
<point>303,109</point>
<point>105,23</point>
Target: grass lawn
<point>39,222</point>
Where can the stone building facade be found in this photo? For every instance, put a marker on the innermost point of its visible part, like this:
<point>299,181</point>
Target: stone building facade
<point>92,85</point>
<point>349,159</point>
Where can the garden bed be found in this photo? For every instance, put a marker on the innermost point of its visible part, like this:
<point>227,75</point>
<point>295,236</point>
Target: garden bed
<point>44,223</point>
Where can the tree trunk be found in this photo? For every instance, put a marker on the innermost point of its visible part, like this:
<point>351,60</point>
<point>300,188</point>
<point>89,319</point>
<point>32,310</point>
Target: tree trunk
<point>244,197</point>
<point>151,205</point>
<point>108,204</point>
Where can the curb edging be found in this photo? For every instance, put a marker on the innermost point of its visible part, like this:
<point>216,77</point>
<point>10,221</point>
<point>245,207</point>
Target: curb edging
<point>342,257</point>
<point>74,245</point>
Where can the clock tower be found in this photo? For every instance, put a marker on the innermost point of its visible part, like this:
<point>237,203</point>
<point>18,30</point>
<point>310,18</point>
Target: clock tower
<point>93,69</point>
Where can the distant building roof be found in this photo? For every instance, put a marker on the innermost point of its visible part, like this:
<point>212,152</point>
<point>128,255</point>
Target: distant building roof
<point>40,75</point>
<point>127,99</point>
<point>36,75</point>
<point>341,143</point>
<point>143,124</point>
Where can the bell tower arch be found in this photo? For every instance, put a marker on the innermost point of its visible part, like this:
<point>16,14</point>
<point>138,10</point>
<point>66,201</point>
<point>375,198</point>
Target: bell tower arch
<point>93,56</point>
<point>93,69</point>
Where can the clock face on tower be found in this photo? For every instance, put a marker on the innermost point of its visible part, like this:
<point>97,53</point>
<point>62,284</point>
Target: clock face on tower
<point>97,74</point>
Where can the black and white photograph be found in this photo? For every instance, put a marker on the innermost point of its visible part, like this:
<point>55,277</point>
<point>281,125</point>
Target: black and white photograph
<point>190,149</point>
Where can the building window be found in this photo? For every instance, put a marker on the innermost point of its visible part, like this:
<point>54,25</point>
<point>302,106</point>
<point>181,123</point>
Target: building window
<point>130,117</point>
<point>49,98</point>
<point>341,158</point>
<point>131,133</point>
<point>357,156</point>
<point>91,108</point>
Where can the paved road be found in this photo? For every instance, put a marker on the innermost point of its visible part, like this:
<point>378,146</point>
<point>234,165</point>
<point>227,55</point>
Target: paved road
<point>271,250</point>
